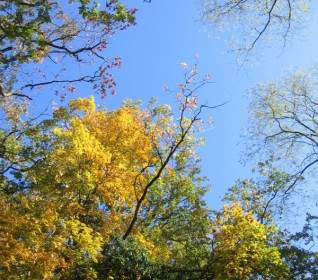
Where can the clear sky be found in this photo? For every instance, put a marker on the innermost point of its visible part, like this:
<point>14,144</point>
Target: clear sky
<point>169,32</point>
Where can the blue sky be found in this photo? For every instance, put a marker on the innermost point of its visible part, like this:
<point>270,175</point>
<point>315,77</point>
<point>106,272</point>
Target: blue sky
<point>168,33</point>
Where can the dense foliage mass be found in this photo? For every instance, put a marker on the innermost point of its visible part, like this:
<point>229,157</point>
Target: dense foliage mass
<point>70,207</point>
<point>92,193</point>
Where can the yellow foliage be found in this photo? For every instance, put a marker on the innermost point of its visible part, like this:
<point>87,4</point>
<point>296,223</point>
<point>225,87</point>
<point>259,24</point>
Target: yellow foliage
<point>95,163</point>
<point>156,252</point>
<point>29,245</point>
<point>88,242</point>
<point>83,192</point>
<point>242,247</point>
<point>86,105</point>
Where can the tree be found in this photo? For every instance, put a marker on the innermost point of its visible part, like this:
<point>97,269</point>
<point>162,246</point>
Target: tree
<point>59,34</point>
<point>255,19</point>
<point>84,208</point>
<point>299,252</point>
<point>284,123</point>
<point>40,35</point>
<point>264,197</point>
<point>97,175</point>
<point>242,248</point>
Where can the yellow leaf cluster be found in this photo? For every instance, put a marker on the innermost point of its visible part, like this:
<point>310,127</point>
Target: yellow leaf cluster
<point>95,163</point>
<point>242,247</point>
<point>88,242</point>
<point>106,150</point>
<point>156,252</point>
<point>30,244</point>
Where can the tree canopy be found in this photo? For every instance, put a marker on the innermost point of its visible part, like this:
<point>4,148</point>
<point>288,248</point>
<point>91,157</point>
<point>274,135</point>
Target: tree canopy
<point>95,192</point>
<point>256,20</point>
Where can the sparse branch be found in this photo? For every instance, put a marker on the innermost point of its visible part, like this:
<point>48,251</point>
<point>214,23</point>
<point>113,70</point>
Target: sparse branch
<point>299,175</point>
<point>266,25</point>
<point>87,79</point>
<point>254,19</point>
<point>284,120</point>
<point>185,127</point>
<point>55,32</point>
<point>152,181</point>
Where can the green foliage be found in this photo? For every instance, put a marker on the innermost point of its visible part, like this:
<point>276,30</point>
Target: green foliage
<point>126,259</point>
<point>27,27</point>
<point>39,32</point>
<point>262,196</point>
